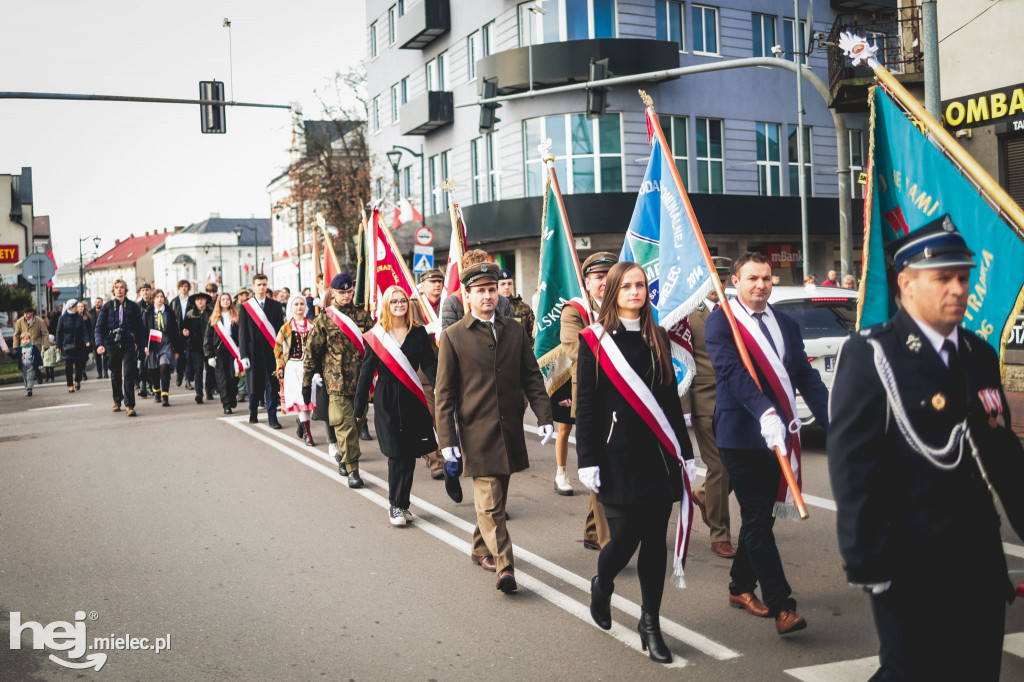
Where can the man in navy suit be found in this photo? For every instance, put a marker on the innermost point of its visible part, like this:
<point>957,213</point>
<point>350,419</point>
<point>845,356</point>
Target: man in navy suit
<point>748,427</point>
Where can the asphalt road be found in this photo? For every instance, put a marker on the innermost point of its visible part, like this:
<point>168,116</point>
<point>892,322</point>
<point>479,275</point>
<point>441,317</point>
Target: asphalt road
<point>244,553</point>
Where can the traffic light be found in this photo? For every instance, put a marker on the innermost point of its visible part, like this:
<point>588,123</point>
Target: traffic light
<point>597,98</point>
<point>212,115</point>
<point>487,111</point>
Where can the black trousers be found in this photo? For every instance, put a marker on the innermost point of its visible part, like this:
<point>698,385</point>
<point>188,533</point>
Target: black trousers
<point>160,378</point>
<point>102,364</point>
<point>642,526</point>
<point>400,473</point>
<point>124,366</point>
<point>263,384</point>
<point>200,372</point>
<point>73,370</point>
<point>227,382</point>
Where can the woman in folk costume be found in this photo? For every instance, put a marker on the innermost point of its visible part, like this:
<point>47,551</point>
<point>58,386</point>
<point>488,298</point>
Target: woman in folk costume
<point>290,352</point>
<point>396,348</point>
<point>162,328</point>
<point>221,350</point>
<point>633,447</point>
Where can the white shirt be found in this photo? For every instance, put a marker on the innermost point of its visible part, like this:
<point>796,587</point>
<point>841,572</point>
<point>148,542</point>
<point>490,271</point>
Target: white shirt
<point>183,300</point>
<point>261,301</point>
<point>491,319</point>
<point>937,339</point>
<point>773,328</point>
<point>226,319</point>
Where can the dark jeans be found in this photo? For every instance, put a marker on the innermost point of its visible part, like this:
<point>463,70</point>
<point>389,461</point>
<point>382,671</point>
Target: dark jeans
<point>124,366</point>
<point>73,370</point>
<point>632,526</point>
<point>264,386</point>
<point>754,475</point>
<point>227,384</point>
<point>400,473</point>
<point>199,368</point>
<point>102,364</point>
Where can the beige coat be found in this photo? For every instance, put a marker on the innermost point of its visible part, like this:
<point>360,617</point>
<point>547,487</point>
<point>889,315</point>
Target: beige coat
<point>36,329</point>
<point>700,399</point>
<point>482,381</point>
<point>569,334</point>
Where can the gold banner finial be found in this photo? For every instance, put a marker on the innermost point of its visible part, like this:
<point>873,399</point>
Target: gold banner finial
<point>448,184</point>
<point>648,102</point>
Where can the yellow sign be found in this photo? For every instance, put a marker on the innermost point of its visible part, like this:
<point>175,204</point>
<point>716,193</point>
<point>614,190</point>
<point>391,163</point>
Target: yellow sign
<point>984,108</point>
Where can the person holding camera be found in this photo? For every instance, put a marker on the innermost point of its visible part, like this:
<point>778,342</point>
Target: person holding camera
<point>120,338</point>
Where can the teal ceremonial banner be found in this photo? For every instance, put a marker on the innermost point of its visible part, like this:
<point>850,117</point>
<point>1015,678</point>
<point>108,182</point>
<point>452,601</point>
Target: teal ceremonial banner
<point>911,182</point>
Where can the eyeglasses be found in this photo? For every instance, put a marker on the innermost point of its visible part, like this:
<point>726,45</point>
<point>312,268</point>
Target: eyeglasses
<point>402,302</point>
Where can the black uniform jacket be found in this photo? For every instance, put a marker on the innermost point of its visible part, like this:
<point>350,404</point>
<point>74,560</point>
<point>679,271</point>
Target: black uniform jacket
<point>899,516</point>
<point>212,344</point>
<point>172,340</point>
<point>196,322</point>
<point>251,341</point>
<point>635,467</point>
<point>404,426</point>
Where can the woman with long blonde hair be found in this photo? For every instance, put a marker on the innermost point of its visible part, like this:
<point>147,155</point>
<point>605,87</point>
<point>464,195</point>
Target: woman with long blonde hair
<point>223,328</point>
<point>397,346</point>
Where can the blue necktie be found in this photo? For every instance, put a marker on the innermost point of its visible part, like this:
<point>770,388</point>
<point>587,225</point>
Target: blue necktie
<point>764,329</point>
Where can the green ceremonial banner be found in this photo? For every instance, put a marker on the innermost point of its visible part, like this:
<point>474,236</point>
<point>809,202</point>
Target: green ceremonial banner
<point>360,284</point>
<point>558,283</point>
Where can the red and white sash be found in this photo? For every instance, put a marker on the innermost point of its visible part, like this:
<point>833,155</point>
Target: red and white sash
<point>156,335</point>
<point>779,389</point>
<point>390,353</point>
<point>589,316</point>
<point>260,318</point>
<point>224,332</point>
<point>640,398</point>
<point>348,327</point>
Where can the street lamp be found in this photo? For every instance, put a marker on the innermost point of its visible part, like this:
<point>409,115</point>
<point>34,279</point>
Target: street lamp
<point>255,240</point>
<point>394,156</point>
<point>220,257</point>
<point>298,235</point>
<point>396,150</point>
<point>81,262</point>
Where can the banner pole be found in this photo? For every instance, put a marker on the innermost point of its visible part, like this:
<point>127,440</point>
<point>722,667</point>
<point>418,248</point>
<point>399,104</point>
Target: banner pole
<point>449,186</point>
<point>654,126</point>
<point>549,161</point>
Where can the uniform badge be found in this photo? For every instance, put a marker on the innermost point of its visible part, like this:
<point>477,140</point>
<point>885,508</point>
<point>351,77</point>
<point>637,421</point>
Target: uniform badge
<point>914,344</point>
<point>992,400</point>
<point>939,402</point>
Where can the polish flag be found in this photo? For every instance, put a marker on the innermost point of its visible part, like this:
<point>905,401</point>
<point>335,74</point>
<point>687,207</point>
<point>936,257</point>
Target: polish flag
<point>156,335</point>
<point>452,281</point>
<point>405,212</point>
<point>291,256</point>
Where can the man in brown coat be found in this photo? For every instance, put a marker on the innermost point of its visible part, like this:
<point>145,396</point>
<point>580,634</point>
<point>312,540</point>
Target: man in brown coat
<point>595,269</point>
<point>484,366</point>
<point>711,497</point>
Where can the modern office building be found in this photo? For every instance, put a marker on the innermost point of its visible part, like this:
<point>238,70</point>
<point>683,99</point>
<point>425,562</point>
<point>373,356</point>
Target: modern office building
<point>732,132</point>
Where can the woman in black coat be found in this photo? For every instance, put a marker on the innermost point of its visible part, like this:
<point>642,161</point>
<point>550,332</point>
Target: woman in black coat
<point>161,355</point>
<point>72,340</point>
<point>620,457</point>
<point>405,429</point>
<point>217,354</point>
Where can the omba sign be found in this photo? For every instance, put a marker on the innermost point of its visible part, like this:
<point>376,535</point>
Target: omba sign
<point>984,108</point>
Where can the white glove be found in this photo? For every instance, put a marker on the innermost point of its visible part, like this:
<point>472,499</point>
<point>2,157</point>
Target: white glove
<point>452,454</point>
<point>875,588</point>
<point>689,420</point>
<point>212,362</point>
<point>773,431</point>
<point>546,432</point>
<point>690,467</point>
<point>245,363</point>
<point>317,380</point>
<point>590,477</point>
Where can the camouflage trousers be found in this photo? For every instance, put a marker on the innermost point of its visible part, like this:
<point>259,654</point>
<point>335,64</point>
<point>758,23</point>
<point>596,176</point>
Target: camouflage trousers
<point>342,418</point>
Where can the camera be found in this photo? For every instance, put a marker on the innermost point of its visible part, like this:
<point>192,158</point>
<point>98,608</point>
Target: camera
<point>115,339</point>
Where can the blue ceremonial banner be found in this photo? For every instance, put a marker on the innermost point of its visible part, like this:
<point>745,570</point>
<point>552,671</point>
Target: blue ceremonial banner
<point>661,239</point>
<point>911,182</point>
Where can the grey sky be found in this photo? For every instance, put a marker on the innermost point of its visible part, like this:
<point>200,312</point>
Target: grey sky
<point>115,168</point>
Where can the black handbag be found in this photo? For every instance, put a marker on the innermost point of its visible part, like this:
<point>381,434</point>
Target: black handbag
<point>320,412</point>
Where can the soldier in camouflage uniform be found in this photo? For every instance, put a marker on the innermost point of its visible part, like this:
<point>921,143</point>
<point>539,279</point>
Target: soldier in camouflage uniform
<point>521,312</point>
<point>334,356</point>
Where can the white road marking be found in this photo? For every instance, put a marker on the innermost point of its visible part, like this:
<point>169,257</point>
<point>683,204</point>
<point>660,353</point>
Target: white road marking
<point>58,407</point>
<point>21,386</point>
<point>1014,644</point>
<point>561,600</point>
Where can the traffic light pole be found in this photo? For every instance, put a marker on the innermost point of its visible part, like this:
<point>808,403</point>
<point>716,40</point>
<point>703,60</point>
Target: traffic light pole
<point>128,98</point>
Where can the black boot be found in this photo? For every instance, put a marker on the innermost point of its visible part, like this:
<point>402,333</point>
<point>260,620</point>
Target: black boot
<point>299,433</point>
<point>166,401</point>
<point>600,605</point>
<point>365,434</point>
<point>309,434</point>
<point>649,628</point>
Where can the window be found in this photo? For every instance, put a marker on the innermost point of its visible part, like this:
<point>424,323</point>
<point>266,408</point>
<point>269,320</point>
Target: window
<point>432,75</point>
<point>472,54</point>
<point>794,168</point>
<point>566,20</point>
<point>493,167</point>
<point>705,29</point>
<point>442,71</point>
<point>668,20</point>
<point>403,91</point>
<point>709,156</point>
<point>769,182</point>
<point>379,186</point>
<point>434,166</point>
<point>376,114</point>
<point>478,168</point>
<point>763,28</point>
<point>407,181</point>
<point>487,39</point>
<point>674,128</point>
<point>856,163</point>
<point>391,25</point>
<point>401,8</point>
<point>373,40</point>
<point>788,42</point>
<point>394,103</point>
<point>588,154</point>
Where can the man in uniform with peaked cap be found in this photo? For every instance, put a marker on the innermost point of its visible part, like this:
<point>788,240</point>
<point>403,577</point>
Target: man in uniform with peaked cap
<point>920,430</point>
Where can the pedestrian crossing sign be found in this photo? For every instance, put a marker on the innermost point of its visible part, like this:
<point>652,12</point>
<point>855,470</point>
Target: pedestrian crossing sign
<point>423,262</point>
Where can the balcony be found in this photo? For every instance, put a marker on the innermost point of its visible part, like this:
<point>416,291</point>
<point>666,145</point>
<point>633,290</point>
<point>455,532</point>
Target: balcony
<point>426,113</point>
<point>569,62</point>
<point>421,23</point>
<point>896,33</point>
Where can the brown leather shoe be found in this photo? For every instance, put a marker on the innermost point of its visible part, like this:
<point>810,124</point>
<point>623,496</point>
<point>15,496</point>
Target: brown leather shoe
<point>130,411</point>
<point>723,549</point>
<point>437,474</point>
<point>703,510</point>
<point>116,407</point>
<point>788,621</point>
<point>749,603</point>
<point>507,581</point>
<point>484,562</point>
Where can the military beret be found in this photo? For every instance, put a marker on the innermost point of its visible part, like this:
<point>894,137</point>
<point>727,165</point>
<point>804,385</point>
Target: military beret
<point>342,282</point>
<point>431,274</point>
<point>504,273</point>
<point>480,273</point>
<point>935,245</point>
<point>602,261</point>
